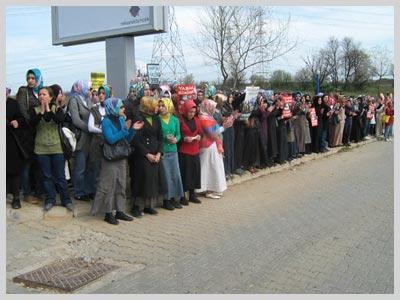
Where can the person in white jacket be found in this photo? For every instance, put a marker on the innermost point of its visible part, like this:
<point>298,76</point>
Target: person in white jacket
<point>97,113</point>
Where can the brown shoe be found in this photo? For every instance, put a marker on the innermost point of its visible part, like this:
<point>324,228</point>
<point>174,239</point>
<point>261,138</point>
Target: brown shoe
<point>31,199</point>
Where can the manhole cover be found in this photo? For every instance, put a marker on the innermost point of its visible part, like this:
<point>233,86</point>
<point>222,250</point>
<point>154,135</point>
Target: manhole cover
<point>66,275</point>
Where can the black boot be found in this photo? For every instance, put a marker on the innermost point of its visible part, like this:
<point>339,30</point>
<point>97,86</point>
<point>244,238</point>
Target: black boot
<point>123,216</point>
<point>136,212</point>
<point>109,218</point>
<point>175,203</point>
<point>184,201</point>
<point>150,211</point>
<point>168,205</point>
<point>192,197</point>
<point>16,203</point>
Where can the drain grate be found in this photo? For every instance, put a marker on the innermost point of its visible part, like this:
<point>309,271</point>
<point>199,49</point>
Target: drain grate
<point>66,275</point>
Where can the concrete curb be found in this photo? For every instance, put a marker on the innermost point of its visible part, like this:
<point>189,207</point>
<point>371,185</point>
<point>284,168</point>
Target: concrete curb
<point>288,165</point>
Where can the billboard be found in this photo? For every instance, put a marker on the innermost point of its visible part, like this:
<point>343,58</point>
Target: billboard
<point>72,25</point>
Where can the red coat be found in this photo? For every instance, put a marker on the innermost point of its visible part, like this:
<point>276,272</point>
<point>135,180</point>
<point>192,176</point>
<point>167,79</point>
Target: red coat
<point>192,148</point>
<point>390,112</point>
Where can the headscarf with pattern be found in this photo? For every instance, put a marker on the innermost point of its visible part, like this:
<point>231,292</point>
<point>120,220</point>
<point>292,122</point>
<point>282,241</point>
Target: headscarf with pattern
<point>81,88</point>
<point>112,106</point>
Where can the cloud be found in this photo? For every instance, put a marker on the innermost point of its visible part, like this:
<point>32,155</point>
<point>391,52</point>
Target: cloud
<point>28,46</point>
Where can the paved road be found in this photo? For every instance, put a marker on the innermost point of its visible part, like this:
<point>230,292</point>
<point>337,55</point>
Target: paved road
<point>322,227</point>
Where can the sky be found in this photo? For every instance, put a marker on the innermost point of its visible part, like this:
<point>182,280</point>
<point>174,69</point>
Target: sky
<point>29,41</point>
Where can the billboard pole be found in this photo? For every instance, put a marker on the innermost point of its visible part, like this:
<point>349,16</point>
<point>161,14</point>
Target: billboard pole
<point>120,61</point>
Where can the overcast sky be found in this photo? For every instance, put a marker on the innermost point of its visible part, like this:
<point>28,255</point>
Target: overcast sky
<point>29,37</point>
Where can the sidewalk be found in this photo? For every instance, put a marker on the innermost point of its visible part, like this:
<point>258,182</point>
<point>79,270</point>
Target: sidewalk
<point>82,208</point>
<point>255,228</point>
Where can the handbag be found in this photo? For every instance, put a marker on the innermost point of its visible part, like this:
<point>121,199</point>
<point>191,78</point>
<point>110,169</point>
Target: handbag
<point>119,150</point>
<point>386,118</point>
<point>68,141</point>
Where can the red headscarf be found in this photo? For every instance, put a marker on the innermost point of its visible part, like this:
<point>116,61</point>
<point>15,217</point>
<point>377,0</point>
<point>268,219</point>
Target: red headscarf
<point>187,105</point>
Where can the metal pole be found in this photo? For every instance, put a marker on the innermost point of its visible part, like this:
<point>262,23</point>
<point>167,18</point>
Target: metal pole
<point>120,61</point>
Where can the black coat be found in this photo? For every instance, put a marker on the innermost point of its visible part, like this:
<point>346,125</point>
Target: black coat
<point>281,134</point>
<point>17,147</point>
<point>272,137</point>
<point>148,178</point>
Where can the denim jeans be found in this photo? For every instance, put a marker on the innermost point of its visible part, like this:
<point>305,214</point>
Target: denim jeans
<point>31,165</point>
<point>84,180</point>
<point>323,143</point>
<point>53,170</point>
<point>347,130</point>
<point>388,131</point>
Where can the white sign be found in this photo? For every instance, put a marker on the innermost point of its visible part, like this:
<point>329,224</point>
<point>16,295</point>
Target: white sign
<point>153,72</point>
<point>251,92</point>
<point>82,24</point>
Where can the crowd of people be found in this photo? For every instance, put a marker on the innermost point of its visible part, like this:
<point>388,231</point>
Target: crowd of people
<point>172,151</point>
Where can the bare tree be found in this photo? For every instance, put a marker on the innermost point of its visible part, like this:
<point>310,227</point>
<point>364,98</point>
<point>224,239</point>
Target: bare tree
<point>213,40</point>
<point>381,63</point>
<point>304,77</point>
<point>361,67</point>
<point>188,79</point>
<point>242,37</point>
<point>392,73</point>
<point>348,50</point>
<point>332,59</point>
<point>316,64</point>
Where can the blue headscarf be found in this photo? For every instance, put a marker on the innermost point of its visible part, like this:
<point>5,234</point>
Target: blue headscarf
<point>113,106</point>
<point>107,89</point>
<point>211,91</point>
<point>8,92</point>
<point>38,78</point>
<point>81,88</point>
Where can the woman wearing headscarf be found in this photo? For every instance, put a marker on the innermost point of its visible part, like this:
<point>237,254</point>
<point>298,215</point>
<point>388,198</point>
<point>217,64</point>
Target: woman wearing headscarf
<point>380,108</point>
<point>97,113</point>
<point>213,182</point>
<point>281,133</point>
<point>171,132</point>
<point>79,106</point>
<point>326,113</point>
<point>147,172</point>
<point>48,148</point>
<point>229,136</point>
<point>389,111</point>
<point>356,128</point>
<point>15,151</point>
<point>316,131</point>
<point>348,123</point>
<point>110,193</point>
<point>28,98</point>
<point>239,128</point>
<point>298,120</point>
<point>251,151</point>
<point>272,124</point>
<point>189,148</point>
<point>338,132</point>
